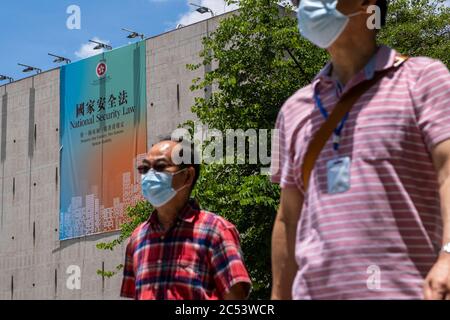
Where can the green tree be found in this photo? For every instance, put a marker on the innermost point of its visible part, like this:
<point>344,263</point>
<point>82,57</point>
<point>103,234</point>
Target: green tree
<point>419,28</point>
<point>260,60</point>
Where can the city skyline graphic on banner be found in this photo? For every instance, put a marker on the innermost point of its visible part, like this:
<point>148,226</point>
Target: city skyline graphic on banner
<point>88,216</point>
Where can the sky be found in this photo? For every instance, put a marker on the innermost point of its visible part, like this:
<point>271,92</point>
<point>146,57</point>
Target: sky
<point>32,29</point>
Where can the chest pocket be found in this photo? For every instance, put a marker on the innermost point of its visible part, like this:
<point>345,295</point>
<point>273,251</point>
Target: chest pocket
<point>381,134</point>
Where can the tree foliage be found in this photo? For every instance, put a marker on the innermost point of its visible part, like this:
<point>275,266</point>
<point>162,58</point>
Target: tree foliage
<point>419,28</point>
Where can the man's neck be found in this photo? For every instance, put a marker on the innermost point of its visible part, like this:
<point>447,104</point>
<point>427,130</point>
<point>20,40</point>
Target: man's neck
<point>168,215</point>
<point>349,60</point>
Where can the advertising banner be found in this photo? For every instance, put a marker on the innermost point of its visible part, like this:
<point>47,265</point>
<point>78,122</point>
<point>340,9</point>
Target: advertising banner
<point>103,137</point>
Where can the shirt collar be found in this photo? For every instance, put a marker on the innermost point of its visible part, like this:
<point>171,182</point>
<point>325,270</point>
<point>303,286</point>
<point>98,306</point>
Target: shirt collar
<point>187,214</point>
<point>383,59</point>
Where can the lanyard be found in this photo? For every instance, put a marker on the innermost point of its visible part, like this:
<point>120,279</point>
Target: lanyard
<point>338,130</point>
<point>369,71</point>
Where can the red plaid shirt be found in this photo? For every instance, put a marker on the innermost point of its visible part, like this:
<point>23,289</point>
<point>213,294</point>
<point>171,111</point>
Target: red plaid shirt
<point>198,258</point>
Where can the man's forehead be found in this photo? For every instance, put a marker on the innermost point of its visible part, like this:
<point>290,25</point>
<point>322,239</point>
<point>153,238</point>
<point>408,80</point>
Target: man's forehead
<point>162,150</point>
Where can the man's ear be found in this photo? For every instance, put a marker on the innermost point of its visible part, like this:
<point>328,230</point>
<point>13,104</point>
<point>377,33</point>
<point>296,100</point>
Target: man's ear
<point>366,3</point>
<point>190,175</point>
<point>363,5</point>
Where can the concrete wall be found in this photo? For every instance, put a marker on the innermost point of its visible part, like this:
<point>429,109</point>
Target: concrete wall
<point>33,262</point>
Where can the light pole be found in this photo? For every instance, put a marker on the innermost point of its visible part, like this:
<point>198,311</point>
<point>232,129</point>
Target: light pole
<point>59,59</point>
<point>29,68</point>
<point>133,34</point>
<point>202,9</point>
<point>100,45</point>
<point>3,78</point>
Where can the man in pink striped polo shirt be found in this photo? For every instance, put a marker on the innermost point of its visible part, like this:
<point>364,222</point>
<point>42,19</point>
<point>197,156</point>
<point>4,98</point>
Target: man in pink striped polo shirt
<point>374,222</point>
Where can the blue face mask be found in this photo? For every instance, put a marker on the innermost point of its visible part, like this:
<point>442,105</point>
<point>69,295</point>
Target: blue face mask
<point>320,22</point>
<point>157,187</point>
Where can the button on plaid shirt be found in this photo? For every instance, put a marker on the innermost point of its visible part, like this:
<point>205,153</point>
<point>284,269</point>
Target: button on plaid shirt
<point>198,258</point>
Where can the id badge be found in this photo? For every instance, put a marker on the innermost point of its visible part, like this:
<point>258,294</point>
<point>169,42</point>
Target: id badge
<point>338,175</point>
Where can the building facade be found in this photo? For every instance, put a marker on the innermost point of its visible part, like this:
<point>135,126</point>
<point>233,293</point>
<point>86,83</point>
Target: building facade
<point>34,263</point>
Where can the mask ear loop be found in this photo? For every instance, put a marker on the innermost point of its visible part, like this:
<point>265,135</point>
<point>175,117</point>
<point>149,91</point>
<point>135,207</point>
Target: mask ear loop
<point>354,14</point>
<point>181,188</point>
<point>357,13</point>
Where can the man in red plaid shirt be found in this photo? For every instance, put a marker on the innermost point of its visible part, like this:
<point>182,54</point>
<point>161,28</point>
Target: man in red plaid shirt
<point>181,251</point>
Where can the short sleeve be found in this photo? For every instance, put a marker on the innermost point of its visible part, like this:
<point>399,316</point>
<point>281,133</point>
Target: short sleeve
<point>431,95</point>
<point>128,289</point>
<point>227,261</point>
<point>282,168</point>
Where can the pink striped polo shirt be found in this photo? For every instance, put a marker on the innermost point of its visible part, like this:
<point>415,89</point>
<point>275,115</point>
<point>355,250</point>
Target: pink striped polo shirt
<point>379,239</point>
